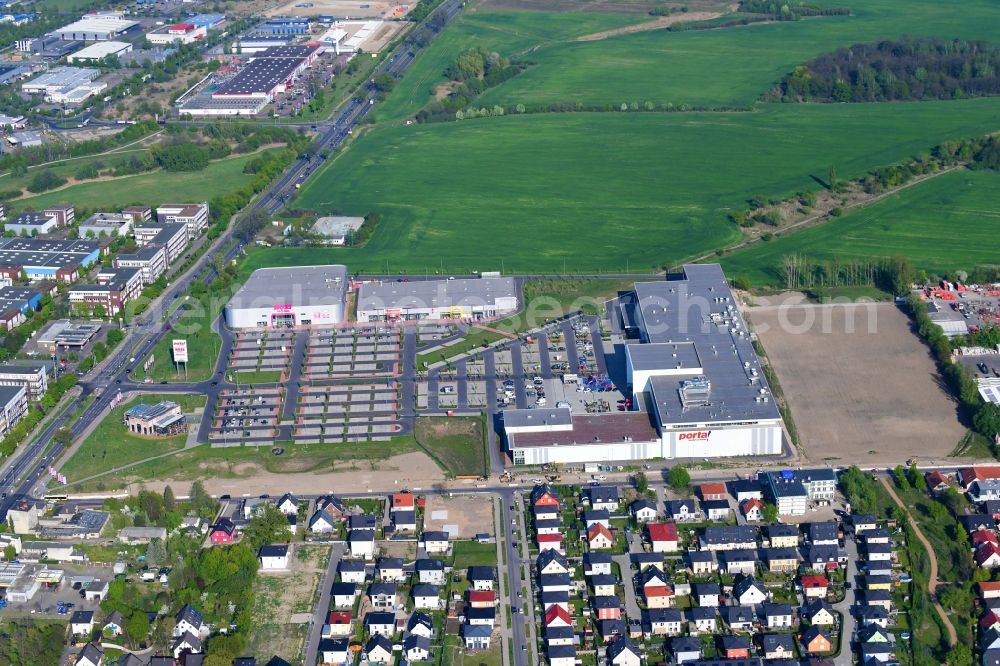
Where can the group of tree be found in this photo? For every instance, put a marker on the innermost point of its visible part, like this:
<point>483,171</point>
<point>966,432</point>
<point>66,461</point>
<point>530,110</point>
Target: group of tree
<point>36,413</point>
<point>474,72</point>
<point>24,642</point>
<point>789,11</point>
<point>910,68</point>
<point>894,275</point>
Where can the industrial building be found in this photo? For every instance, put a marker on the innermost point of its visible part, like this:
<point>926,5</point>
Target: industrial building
<point>97,27</point>
<point>114,289</point>
<point>208,21</point>
<point>251,44</point>
<point>139,214</point>
<point>178,33</point>
<point>692,373</point>
<point>296,296</point>
<point>64,334</point>
<point>467,298</point>
<point>160,420</point>
<point>33,377</point>
<point>98,51</point>
<point>15,302</point>
<point>150,260</point>
<point>195,216</point>
<point>172,237</point>
<point>336,229</point>
<point>269,73</point>
<point>349,36</point>
<point>11,71</point>
<point>283,25</point>
<point>30,223</point>
<point>66,85</point>
<point>105,224</point>
<point>13,406</point>
<point>48,259</point>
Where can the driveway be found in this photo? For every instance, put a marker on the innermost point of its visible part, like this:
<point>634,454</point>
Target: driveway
<point>628,580</point>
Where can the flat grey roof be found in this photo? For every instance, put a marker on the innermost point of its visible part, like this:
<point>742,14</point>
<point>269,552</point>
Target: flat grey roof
<point>434,293</point>
<point>664,355</point>
<point>526,418</point>
<point>260,76</point>
<point>700,309</point>
<point>295,285</point>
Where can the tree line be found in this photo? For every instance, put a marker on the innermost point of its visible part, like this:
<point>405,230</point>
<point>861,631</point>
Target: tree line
<point>789,11</point>
<point>909,68</point>
<point>471,74</point>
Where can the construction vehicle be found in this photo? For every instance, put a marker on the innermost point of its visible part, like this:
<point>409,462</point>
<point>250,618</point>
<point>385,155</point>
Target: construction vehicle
<point>911,462</point>
<point>506,477</point>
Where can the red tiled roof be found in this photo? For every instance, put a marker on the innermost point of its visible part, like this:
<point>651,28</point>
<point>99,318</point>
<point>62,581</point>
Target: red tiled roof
<point>658,591</point>
<point>985,536</point>
<point>710,489</point>
<point>989,620</point>
<point>750,503</point>
<point>814,581</point>
<point>599,529</point>
<point>339,617</point>
<point>548,538</point>
<point>662,531</point>
<point>402,500</point>
<point>978,473</point>
<point>985,552</point>
<point>557,613</point>
<point>936,478</point>
<point>481,595</point>
<point>989,586</point>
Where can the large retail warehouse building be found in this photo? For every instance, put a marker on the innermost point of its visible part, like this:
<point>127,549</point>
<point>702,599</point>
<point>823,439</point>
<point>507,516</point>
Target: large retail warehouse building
<point>295,296</point>
<point>692,372</point>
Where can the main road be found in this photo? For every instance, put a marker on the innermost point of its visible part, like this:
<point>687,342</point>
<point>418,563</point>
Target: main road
<point>22,472</point>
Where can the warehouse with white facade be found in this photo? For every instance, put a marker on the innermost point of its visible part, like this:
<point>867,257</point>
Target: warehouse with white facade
<point>467,298</point>
<point>285,297</point>
<point>695,380</point>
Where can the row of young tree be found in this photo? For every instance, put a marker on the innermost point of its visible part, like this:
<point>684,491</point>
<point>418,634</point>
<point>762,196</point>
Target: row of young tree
<point>789,11</point>
<point>909,68</point>
<point>891,274</point>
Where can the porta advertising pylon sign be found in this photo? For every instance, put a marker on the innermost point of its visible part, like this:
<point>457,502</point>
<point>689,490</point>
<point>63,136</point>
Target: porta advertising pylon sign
<point>180,348</point>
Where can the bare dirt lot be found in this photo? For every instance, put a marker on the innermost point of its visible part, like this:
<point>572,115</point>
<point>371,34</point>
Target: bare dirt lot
<point>343,8</point>
<point>283,602</point>
<point>459,513</point>
<point>862,387</point>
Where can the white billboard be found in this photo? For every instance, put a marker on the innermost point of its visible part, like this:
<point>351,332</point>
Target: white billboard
<point>180,351</point>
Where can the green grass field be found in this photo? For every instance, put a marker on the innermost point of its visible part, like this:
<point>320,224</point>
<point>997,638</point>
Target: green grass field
<point>729,66</point>
<point>455,443</point>
<point>195,326</point>
<point>507,32</point>
<point>150,188</point>
<point>600,192</point>
<point>475,554</point>
<point>945,224</point>
<point>111,445</point>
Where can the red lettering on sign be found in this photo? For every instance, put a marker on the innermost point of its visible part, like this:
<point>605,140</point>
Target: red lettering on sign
<point>700,434</point>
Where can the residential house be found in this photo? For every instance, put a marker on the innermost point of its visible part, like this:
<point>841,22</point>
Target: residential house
<point>334,650</point>
<point>551,561</point>
<point>735,562</point>
<point>877,535</point>
<point>550,542</point>
<point>749,591</point>
<point>880,653</point>
<point>822,534</point>
<point>435,542</point>
<point>383,595</point>
<point>712,491</point>
<point>81,623</point>
<point>420,624</point>
<point>330,511</point>
<point>739,618</point>
<point>224,531</point>
<point>352,571</point>
<point>561,655</point>
<point>477,636</point>
<point>662,622</point>
<point>646,560</point>
<point>606,608</point>
<point>868,615</point>
<point>685,649</point>
<point>819,613</point>
<point>716,509</point>
<point>344,594</point>
<point>545,512</point>
<point>362,543</point>
<point>977,521</point>
<point>984,490</point>
<point>603,497</point>
<point>402,502</point>
<point>416,648</point>
<point>777,616</point>
<point>729,537</point>
<point>557,616</point>
<point>481,598</point>
<point>273,557</point>
<point>987,556</point>
<point>778,646</point>
<point>404,521</point>
<point>362,521</point>
<point>879,598</point>
<point>596,563</point>
<point>288,504</point>
<point>782,559</point>
<point>643,510</point>
<point>744,489</point>
<point>390,570</point>
<point>878,551</point>
<point>90,655</point>
<point>734,647</point>
<point>623,652</point>
<point>822,557</point>
<point>487,616</point>
<point>599,537</point>
<point>861,523</point>
<point>188,620</point>
<point>989,590</point>
<point>780,535</point>
<point>186,644</point>
<point>114,624</point>
<point>554,598</point>
<point>557,582</point>
<point>542,495</point>
<point>378,650</point>
<point>706,594</point>
<point>604,584</point>
<point>484,578</point>
<point>559,635</point>
<point>815,641</point>
<point>683,510</point>
<point>937,482</point>
<point>701,562</point>
<point>658,596</point>
<point>593,517</point>
<point>339,624</point>
<point>548,526</point>
<point>430,571</point>
<point>663,537</point>
<point>752,509</point>
<point>814,586</point>
<point>380,623</point>
<point>702,620</point>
